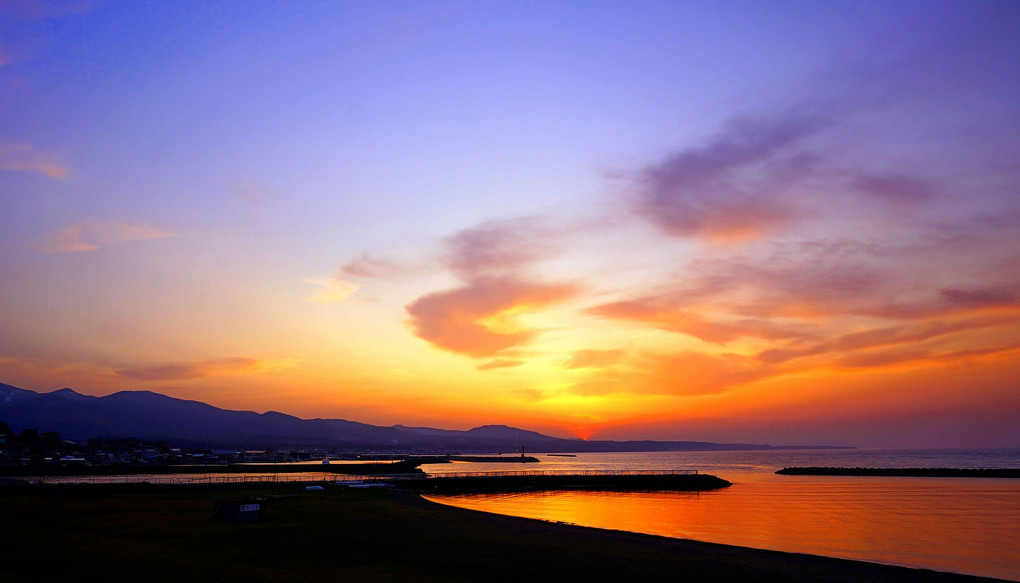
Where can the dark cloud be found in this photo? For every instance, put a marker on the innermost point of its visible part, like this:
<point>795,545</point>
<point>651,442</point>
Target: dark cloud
<point>980,297</point>
<point>177,371</point>
<point>911,334</point>
<point>897,190</point>
<point>733,187</point>
<point>461,320</point>
<point>499,247</point>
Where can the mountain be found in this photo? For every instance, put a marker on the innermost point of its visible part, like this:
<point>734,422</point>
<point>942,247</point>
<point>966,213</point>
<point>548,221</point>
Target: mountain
<point>152,416</point>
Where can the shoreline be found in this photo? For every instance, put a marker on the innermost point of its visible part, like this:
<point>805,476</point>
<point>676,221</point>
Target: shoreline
<point>720,562</point>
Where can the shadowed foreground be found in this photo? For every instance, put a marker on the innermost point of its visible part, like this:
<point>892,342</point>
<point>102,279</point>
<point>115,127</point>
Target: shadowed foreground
<point>168,535</point>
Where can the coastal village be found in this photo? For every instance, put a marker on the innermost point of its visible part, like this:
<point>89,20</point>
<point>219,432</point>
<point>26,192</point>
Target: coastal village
<point>29,447</point>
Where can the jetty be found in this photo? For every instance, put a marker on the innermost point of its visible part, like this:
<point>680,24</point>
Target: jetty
<point>904,472</point>
<point>533,481</point>
<point>494,459</point>
<point>412,481</point>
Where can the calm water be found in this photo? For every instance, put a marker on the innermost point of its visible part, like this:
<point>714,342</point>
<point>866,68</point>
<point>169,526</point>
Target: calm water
<point>948,524</point>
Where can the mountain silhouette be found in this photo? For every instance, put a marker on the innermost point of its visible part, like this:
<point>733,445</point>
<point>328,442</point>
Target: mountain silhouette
<point>152,416</point>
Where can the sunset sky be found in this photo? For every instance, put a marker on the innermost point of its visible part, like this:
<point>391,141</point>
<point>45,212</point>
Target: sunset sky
<point>769,222</point>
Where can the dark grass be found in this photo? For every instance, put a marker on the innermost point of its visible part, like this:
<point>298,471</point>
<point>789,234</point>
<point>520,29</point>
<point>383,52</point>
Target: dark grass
<point>120,534</point>
<point>128,470</point>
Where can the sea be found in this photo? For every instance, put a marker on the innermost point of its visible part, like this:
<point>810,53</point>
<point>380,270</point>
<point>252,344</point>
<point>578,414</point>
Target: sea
<point>961,525</point>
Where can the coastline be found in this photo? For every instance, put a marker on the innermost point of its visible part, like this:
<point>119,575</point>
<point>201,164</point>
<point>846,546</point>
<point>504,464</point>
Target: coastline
<point>683,559</point>
<point>388,535</point>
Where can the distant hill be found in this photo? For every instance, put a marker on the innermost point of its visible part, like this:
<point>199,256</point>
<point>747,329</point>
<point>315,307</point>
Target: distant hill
<point>152,416</point>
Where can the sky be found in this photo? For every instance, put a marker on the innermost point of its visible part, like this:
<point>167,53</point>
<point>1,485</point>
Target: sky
<point>766,222</point>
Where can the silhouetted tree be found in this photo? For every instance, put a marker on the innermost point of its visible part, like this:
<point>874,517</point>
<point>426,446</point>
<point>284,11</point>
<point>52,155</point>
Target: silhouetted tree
<point>50,439</point>
<point>28,437</point>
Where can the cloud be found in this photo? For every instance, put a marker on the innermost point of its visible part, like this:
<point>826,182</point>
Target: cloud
<point>910,334</point>
<point>482,318</point>
<point>24,157</point>
<point>479,319</point>
<point>370,267</point>
<point>667,312</point>
<point>331,291</point>
<point>594,358</point>
<point>981,297</point>
<point>93,236</point>
<point>177,371</point>
<point>898,190</point>
<point>500,363</point>
<point>682,373</point>
<point>734,187</point>
<point>499,247</point>
<point>901,355</point>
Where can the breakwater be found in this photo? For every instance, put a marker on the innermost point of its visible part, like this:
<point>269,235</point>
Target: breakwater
<point>492,459</point>
<point>525,481</point>
<point>904,472</point>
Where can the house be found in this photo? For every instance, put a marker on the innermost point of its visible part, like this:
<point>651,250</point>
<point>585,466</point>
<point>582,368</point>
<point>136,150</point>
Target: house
<point>240,509</point>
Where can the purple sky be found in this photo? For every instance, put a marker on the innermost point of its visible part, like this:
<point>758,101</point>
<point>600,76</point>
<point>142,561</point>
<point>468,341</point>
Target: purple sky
<point>789,222</point>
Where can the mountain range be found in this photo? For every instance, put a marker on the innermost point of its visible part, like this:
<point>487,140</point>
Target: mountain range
<point>147,415</point>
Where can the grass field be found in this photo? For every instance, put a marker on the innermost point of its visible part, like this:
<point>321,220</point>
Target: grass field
<point>82,534</point>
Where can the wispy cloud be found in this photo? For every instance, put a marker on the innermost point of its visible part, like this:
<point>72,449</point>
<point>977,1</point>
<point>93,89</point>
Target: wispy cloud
<point>912,335</point>
<point>734,187</point>
<point>668,313</point>
<point>896,190</point>
<point>331,291</point>
<point>500,363</point>
<point>368,266</point>
<point>176,371</point>
<point>92,236</point>
<point>500,247</point>
<point>682,373</point>
<point>25,157</point>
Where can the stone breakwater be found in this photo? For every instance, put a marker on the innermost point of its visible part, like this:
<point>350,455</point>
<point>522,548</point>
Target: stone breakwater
<point>532,482</point>
<point>906,472</point>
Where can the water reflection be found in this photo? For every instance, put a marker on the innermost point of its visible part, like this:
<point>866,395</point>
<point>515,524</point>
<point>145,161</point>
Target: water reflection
<point>942,524</point>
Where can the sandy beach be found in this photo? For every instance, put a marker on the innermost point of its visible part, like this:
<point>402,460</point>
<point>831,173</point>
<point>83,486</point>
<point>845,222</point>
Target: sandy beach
<point>169,534</point>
